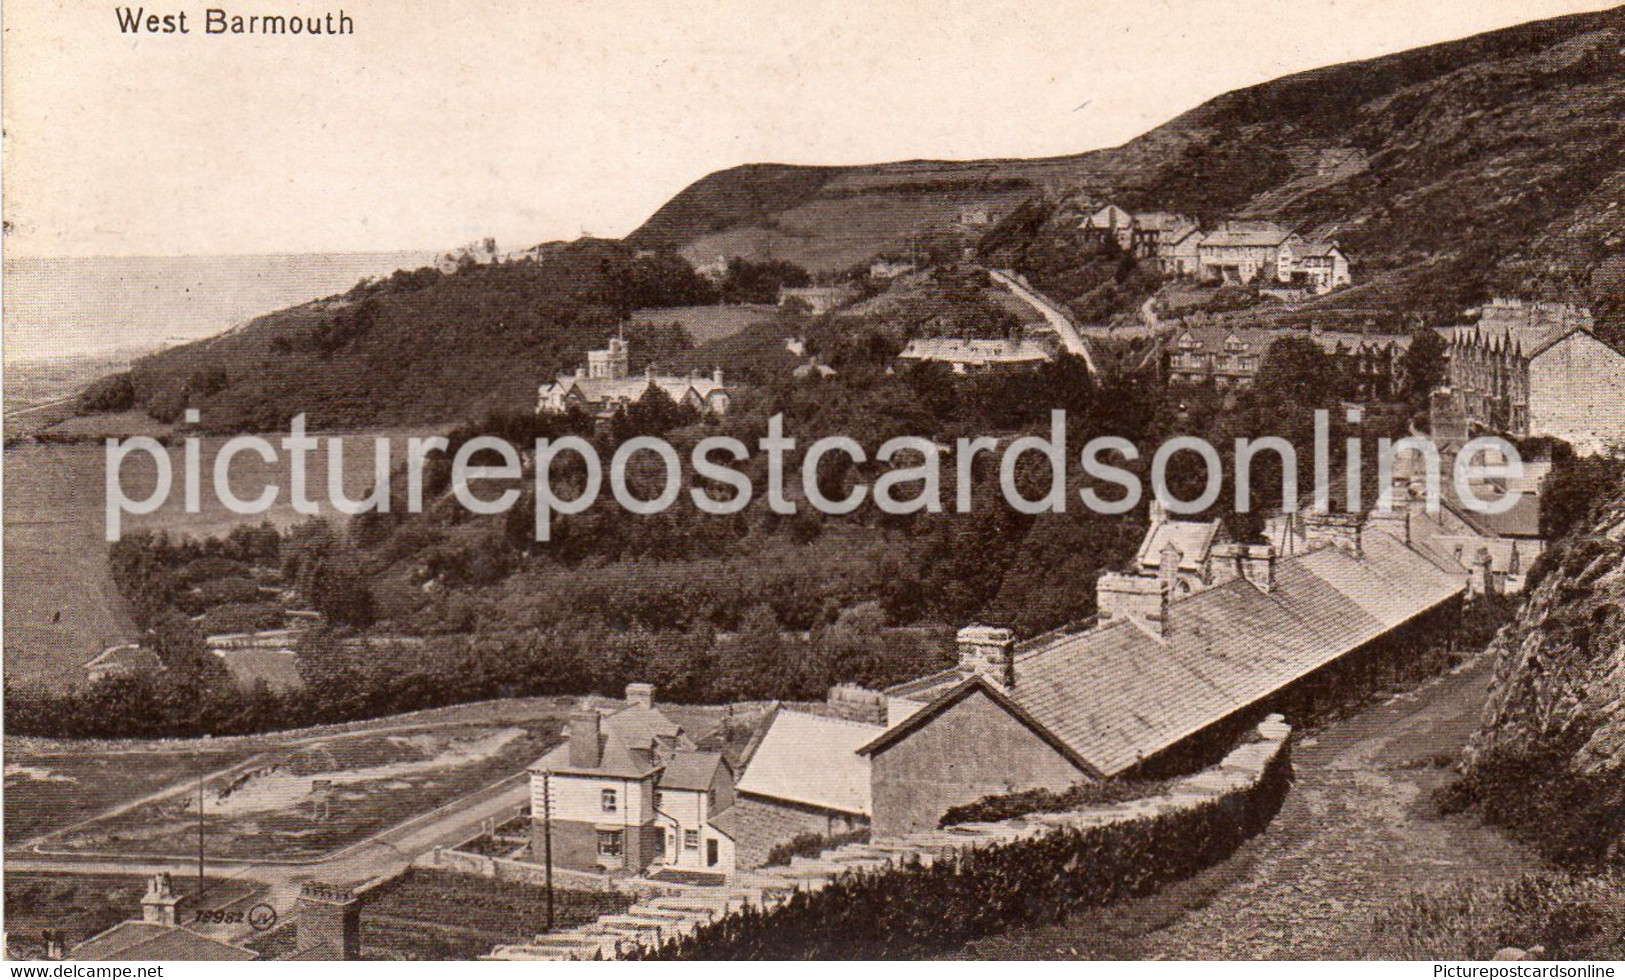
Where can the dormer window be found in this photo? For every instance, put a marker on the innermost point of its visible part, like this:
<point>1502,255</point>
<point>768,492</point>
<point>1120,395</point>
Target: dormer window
<point>608,801</point>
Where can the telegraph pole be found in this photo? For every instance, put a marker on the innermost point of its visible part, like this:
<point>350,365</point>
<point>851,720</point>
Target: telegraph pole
<point>200,831</point>
<point>547,840</point>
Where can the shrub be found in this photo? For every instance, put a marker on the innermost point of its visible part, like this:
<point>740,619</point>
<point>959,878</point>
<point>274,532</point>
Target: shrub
<point>812,845</point>
<point>1568,917</point>
<point>1005,806</point>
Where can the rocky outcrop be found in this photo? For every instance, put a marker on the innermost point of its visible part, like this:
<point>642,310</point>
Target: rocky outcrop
<point>1559,688</point>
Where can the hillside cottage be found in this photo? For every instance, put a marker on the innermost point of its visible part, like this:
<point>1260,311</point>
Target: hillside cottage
<point>1239,252</point>
<point>629,791</point>
<point>803,776</point>
<point>968,356</point>
<point>1157,673</point>
<point>817,300</point>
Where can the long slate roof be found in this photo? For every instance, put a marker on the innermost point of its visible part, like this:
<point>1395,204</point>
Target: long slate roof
<point>1117,695</point>
<point>812,759</point>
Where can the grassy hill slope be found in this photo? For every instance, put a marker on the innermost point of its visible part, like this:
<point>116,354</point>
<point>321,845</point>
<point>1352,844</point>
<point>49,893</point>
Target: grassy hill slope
<point>1486,163</point>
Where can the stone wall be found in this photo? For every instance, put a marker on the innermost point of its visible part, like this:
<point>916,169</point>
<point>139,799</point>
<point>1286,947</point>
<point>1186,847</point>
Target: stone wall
<point>763,824</point>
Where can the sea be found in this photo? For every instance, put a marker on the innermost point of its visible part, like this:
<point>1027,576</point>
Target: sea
<point>111,308</point>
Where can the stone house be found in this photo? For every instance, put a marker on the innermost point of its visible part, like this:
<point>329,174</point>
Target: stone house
<point>606,386</point>
<point>1156,676</point>
<point>1537,369</point>
<point>802,776</point>
<point>970,356</point>
<point>1240,252</point>
<point>817,299</point>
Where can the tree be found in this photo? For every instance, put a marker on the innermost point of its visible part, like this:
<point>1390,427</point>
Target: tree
<point>1424,365</point>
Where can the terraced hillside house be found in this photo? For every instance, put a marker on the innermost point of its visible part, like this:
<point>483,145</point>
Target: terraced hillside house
<point>606,386</point>
<point>630,790</point>
<point>1538,369</point>
<point>1160,678</point>
<point>1371,365</point>
<point>1239,252</point>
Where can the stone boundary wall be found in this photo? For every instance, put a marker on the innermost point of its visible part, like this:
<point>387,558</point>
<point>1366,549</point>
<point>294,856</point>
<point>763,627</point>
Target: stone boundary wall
<point>934,890</point>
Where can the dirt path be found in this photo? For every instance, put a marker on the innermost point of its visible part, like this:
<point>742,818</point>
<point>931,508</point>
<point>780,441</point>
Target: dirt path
<point>1357,832</point>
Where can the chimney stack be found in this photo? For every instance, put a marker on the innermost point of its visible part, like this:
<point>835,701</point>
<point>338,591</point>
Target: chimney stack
<point>1168,563</point>
<point>158,904</point>
<point>716,375</point>
<point>1343,530</point>
<point>989,651</point>
<point>1138,598</point>
<point>1253,562</point>
<point>329,925</point>
<point>641,695</point>
<point>585,750</point>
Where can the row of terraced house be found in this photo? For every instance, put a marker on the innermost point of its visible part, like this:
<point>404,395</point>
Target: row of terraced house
<point>1200,635</point>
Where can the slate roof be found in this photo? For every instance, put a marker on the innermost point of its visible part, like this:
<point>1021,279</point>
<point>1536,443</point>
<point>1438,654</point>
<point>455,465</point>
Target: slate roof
<point>1116,695</point>
<point>691,770</point>
<point>1192,538</point>
<point>632,743</point>
<point>963,351</point>
<point>812,759</point>
<point>1247,234</point>
<point>135,940</point>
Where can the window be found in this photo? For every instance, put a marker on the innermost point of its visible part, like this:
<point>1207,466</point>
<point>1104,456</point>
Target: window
<point>691,840</point>
<point>608,801</point>
<point>609,843</point>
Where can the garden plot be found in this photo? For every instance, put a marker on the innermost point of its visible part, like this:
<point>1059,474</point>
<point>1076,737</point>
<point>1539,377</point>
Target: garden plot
<point>307,801</point>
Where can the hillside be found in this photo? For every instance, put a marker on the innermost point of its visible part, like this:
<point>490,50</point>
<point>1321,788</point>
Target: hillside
<point>421,346</point>
<point>1491,165</point>
<point>1486,164</point>
<point>1549,759</point>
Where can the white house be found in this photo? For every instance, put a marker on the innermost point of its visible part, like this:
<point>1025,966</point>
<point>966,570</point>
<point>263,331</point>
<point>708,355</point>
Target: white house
<point>630,791</point>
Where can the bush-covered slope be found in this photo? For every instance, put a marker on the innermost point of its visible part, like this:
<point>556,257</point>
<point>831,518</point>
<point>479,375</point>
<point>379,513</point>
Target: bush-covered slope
<point>1549,761</point>
<point>421,346</point>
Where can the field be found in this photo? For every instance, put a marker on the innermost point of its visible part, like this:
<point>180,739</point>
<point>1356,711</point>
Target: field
<point>833,233</point>
<point>61,608</point>
<point>307,799</point>
<point>431,914</point>
<point>46,792</point>
<point>85,905</point>
<point>705,323</point>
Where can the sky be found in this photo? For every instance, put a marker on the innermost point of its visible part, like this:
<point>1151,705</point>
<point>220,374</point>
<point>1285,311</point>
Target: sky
<point>441,121</point>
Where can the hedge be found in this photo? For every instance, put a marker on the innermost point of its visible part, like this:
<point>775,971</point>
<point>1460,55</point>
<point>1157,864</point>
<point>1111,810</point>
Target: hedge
<point>917,910</point>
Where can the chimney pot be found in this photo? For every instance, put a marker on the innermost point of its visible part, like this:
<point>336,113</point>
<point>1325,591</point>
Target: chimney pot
<point>158,904</point>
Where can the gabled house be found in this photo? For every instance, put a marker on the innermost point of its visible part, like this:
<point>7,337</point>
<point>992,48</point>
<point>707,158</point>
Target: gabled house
<point>1539,369</point>
<point>1157,674</point>
<point>630,790</point>
<point>1240,252</point>
<point>804,776</point>
<point>973,356</point>
<point>606,386</point>
<point>1110,221</point>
